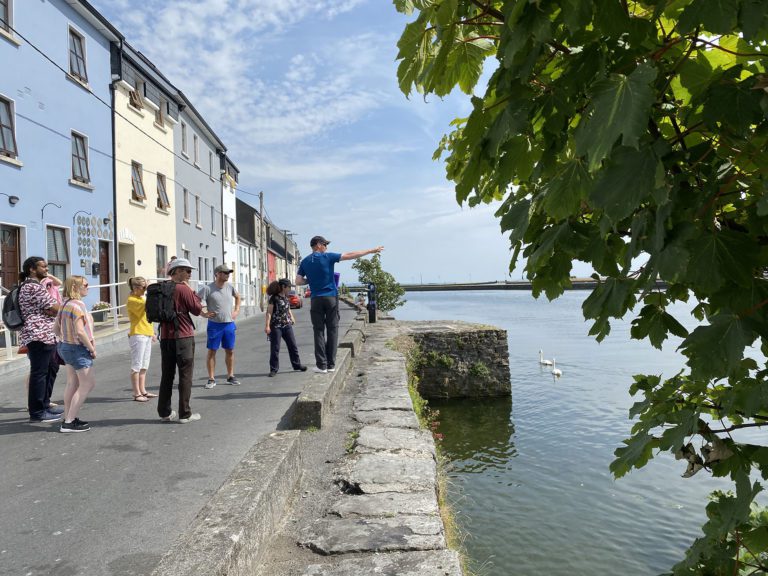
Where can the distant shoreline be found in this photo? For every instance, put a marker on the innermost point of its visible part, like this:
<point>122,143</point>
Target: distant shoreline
<point>577,284</point>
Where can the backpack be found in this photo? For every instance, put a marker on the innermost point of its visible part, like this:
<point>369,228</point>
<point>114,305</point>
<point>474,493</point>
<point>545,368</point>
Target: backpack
<point>160,306</point>
<point>12,317</point>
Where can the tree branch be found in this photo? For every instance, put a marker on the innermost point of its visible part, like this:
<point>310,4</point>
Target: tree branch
<point>718,47</point>
<point>488,10</point>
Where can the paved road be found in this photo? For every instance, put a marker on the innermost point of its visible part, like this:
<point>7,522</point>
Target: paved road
<point>110,501</point>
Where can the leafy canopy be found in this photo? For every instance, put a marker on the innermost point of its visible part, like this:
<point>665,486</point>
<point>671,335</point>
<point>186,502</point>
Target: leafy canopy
<point>616,132</point>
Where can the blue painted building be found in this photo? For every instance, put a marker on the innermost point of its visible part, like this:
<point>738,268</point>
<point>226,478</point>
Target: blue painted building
<point>56,144</point>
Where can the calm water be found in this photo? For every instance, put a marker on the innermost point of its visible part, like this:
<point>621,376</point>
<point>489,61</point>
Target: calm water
<point>530,474</point>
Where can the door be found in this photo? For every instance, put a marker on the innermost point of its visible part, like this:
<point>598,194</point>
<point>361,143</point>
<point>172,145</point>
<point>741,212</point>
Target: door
<point>104,271</point>
<point>9,255</point>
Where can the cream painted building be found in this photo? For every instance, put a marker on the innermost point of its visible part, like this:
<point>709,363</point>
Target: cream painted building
<point>146,113</point>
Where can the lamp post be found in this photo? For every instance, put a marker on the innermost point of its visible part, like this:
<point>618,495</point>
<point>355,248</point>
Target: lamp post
<point>285,248</point>
<point>74,216</point>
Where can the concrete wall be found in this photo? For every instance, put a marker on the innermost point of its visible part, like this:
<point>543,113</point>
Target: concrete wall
<point>49,105</point>
<point>460,360</point>
<point>201,241</point>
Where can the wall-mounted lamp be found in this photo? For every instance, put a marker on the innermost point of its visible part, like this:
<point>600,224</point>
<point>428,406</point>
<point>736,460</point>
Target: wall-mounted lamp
<point>106,221</point>
<point>12,200</point>
<point>74,216</point>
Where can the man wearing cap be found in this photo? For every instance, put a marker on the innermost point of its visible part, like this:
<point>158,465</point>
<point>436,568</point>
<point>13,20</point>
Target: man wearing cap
<point>317,271</point>
<point>177,345</point>
<point>218,297</point>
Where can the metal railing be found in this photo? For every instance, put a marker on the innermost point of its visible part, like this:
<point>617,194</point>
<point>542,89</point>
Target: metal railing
<point>249,296</point>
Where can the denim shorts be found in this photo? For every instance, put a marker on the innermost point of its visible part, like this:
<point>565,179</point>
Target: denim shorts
<point>75,355</point>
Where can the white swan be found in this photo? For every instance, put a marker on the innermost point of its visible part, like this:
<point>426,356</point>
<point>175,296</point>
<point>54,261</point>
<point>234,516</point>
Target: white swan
<point>556,372</point>
<point>542,361</point>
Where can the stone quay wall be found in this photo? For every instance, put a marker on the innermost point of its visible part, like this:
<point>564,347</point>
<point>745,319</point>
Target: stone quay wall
<point>460,360</point>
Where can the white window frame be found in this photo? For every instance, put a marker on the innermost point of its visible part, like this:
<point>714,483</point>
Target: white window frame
<point>161,259</point>
<point>86,178</point>
<point>213,220</point>
<point>185,194</point>
<point>197,212</point>
<point>196,149</point>
<point>54,260</point>
<point>210,164</point>
<point>160,113</point>
<point>225,222</point>
<point>184,138</point>
<point>136,96</point>
<point>4,150</point>
<point>79,75</point>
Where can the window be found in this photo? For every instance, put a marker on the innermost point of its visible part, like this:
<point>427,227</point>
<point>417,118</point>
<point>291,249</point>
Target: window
<point>210,163</point>
<point>184,138</point>
<point>80,158</point>
<point>58,255</point>
<point>232,229</point>
<point>186,204</point>
<point>186,254</point>
<point>213,220</point>
<point>135,96</point>
<point>226,227</point>
<point>5,15</point>
<point>77,56</point>
<point>162,195</point>
<point>161,259</point>
<point>196,148</point>
<point>200,269</point>
<point>7,129</point>
<point>138,185</point>
<point>160,113</point>
<point>214,263</point>
<point>197,211</point>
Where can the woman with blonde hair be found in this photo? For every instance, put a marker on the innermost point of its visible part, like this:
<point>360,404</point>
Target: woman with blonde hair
<point>140,337</point>
<point>74,327</point>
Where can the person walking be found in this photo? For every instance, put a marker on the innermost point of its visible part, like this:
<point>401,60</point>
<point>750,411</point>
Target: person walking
<point>278,325</point>
<point>218,298</point>
<point>38,310</point>
<point>177,345</point>
<point>317,271</point>
<point>74,325</point>
<point>141,335</point>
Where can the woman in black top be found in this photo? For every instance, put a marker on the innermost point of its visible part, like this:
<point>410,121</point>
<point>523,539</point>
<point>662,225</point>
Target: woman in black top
<point>279,325</point>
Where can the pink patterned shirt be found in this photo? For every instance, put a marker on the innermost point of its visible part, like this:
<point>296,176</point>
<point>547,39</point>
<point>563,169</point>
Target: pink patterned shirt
<point>34,301</point>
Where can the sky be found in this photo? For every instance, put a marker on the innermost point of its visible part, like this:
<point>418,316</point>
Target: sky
<point>304,95</point>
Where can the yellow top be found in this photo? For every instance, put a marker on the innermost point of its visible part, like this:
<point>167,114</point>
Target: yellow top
<point>138,317</point>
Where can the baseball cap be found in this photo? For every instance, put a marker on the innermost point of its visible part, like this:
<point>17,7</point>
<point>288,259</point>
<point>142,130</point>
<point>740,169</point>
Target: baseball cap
<point>222,268</point>
<point>318,240</point>
<point>180,263</point>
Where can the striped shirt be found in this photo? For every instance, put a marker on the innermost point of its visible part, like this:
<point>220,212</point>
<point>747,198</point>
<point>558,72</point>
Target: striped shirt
<point>70,313</point>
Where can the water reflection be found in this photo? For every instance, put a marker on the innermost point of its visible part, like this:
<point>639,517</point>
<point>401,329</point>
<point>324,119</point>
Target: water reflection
<point>477,433</point>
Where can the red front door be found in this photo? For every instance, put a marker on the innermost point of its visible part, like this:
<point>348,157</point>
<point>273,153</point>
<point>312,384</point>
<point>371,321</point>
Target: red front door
<point>104,271</point>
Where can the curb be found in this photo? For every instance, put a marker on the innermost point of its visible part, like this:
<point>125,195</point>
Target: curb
<point>228,534</point>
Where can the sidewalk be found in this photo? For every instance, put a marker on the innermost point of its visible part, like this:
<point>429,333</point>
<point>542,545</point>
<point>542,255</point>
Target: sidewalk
<point>111,501</point>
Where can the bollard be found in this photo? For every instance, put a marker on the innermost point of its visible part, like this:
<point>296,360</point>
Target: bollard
<point>371,303</point>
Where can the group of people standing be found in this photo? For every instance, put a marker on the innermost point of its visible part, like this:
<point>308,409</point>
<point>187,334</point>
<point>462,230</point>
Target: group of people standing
<point>59,331</point>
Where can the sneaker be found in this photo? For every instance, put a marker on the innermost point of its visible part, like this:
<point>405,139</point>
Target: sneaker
<point>319,370</point>
<point>56,409</point>
<point>170,418</point>
<point>47,416</point>
<point>331,368</point>
<point>300,368</point>
<point>76,425</point>
<point>232,381</point>
<point>210,384</point>
<point>192,418</point>
<point>272,373</point>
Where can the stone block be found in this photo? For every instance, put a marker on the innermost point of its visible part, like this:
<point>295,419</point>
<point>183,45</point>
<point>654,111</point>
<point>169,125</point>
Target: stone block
<point>382,472</point>
<point>391,418</point>
<point>386,504</point>
<point>432,563</point>
<point>395,440</point>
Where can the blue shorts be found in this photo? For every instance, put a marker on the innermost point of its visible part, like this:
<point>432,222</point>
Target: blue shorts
<point>75,355</point>
<point>221,335</point>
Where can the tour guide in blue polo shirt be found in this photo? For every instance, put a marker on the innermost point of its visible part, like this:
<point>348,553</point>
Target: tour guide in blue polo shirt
<point>317,271</point>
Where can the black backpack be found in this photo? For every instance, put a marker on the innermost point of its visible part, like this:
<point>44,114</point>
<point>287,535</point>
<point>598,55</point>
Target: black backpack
<point>160,306</point>
<point>12,317</point>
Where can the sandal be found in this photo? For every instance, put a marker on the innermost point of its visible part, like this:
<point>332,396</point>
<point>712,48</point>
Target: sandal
<point>140,398</point>
<point>149,395</point>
